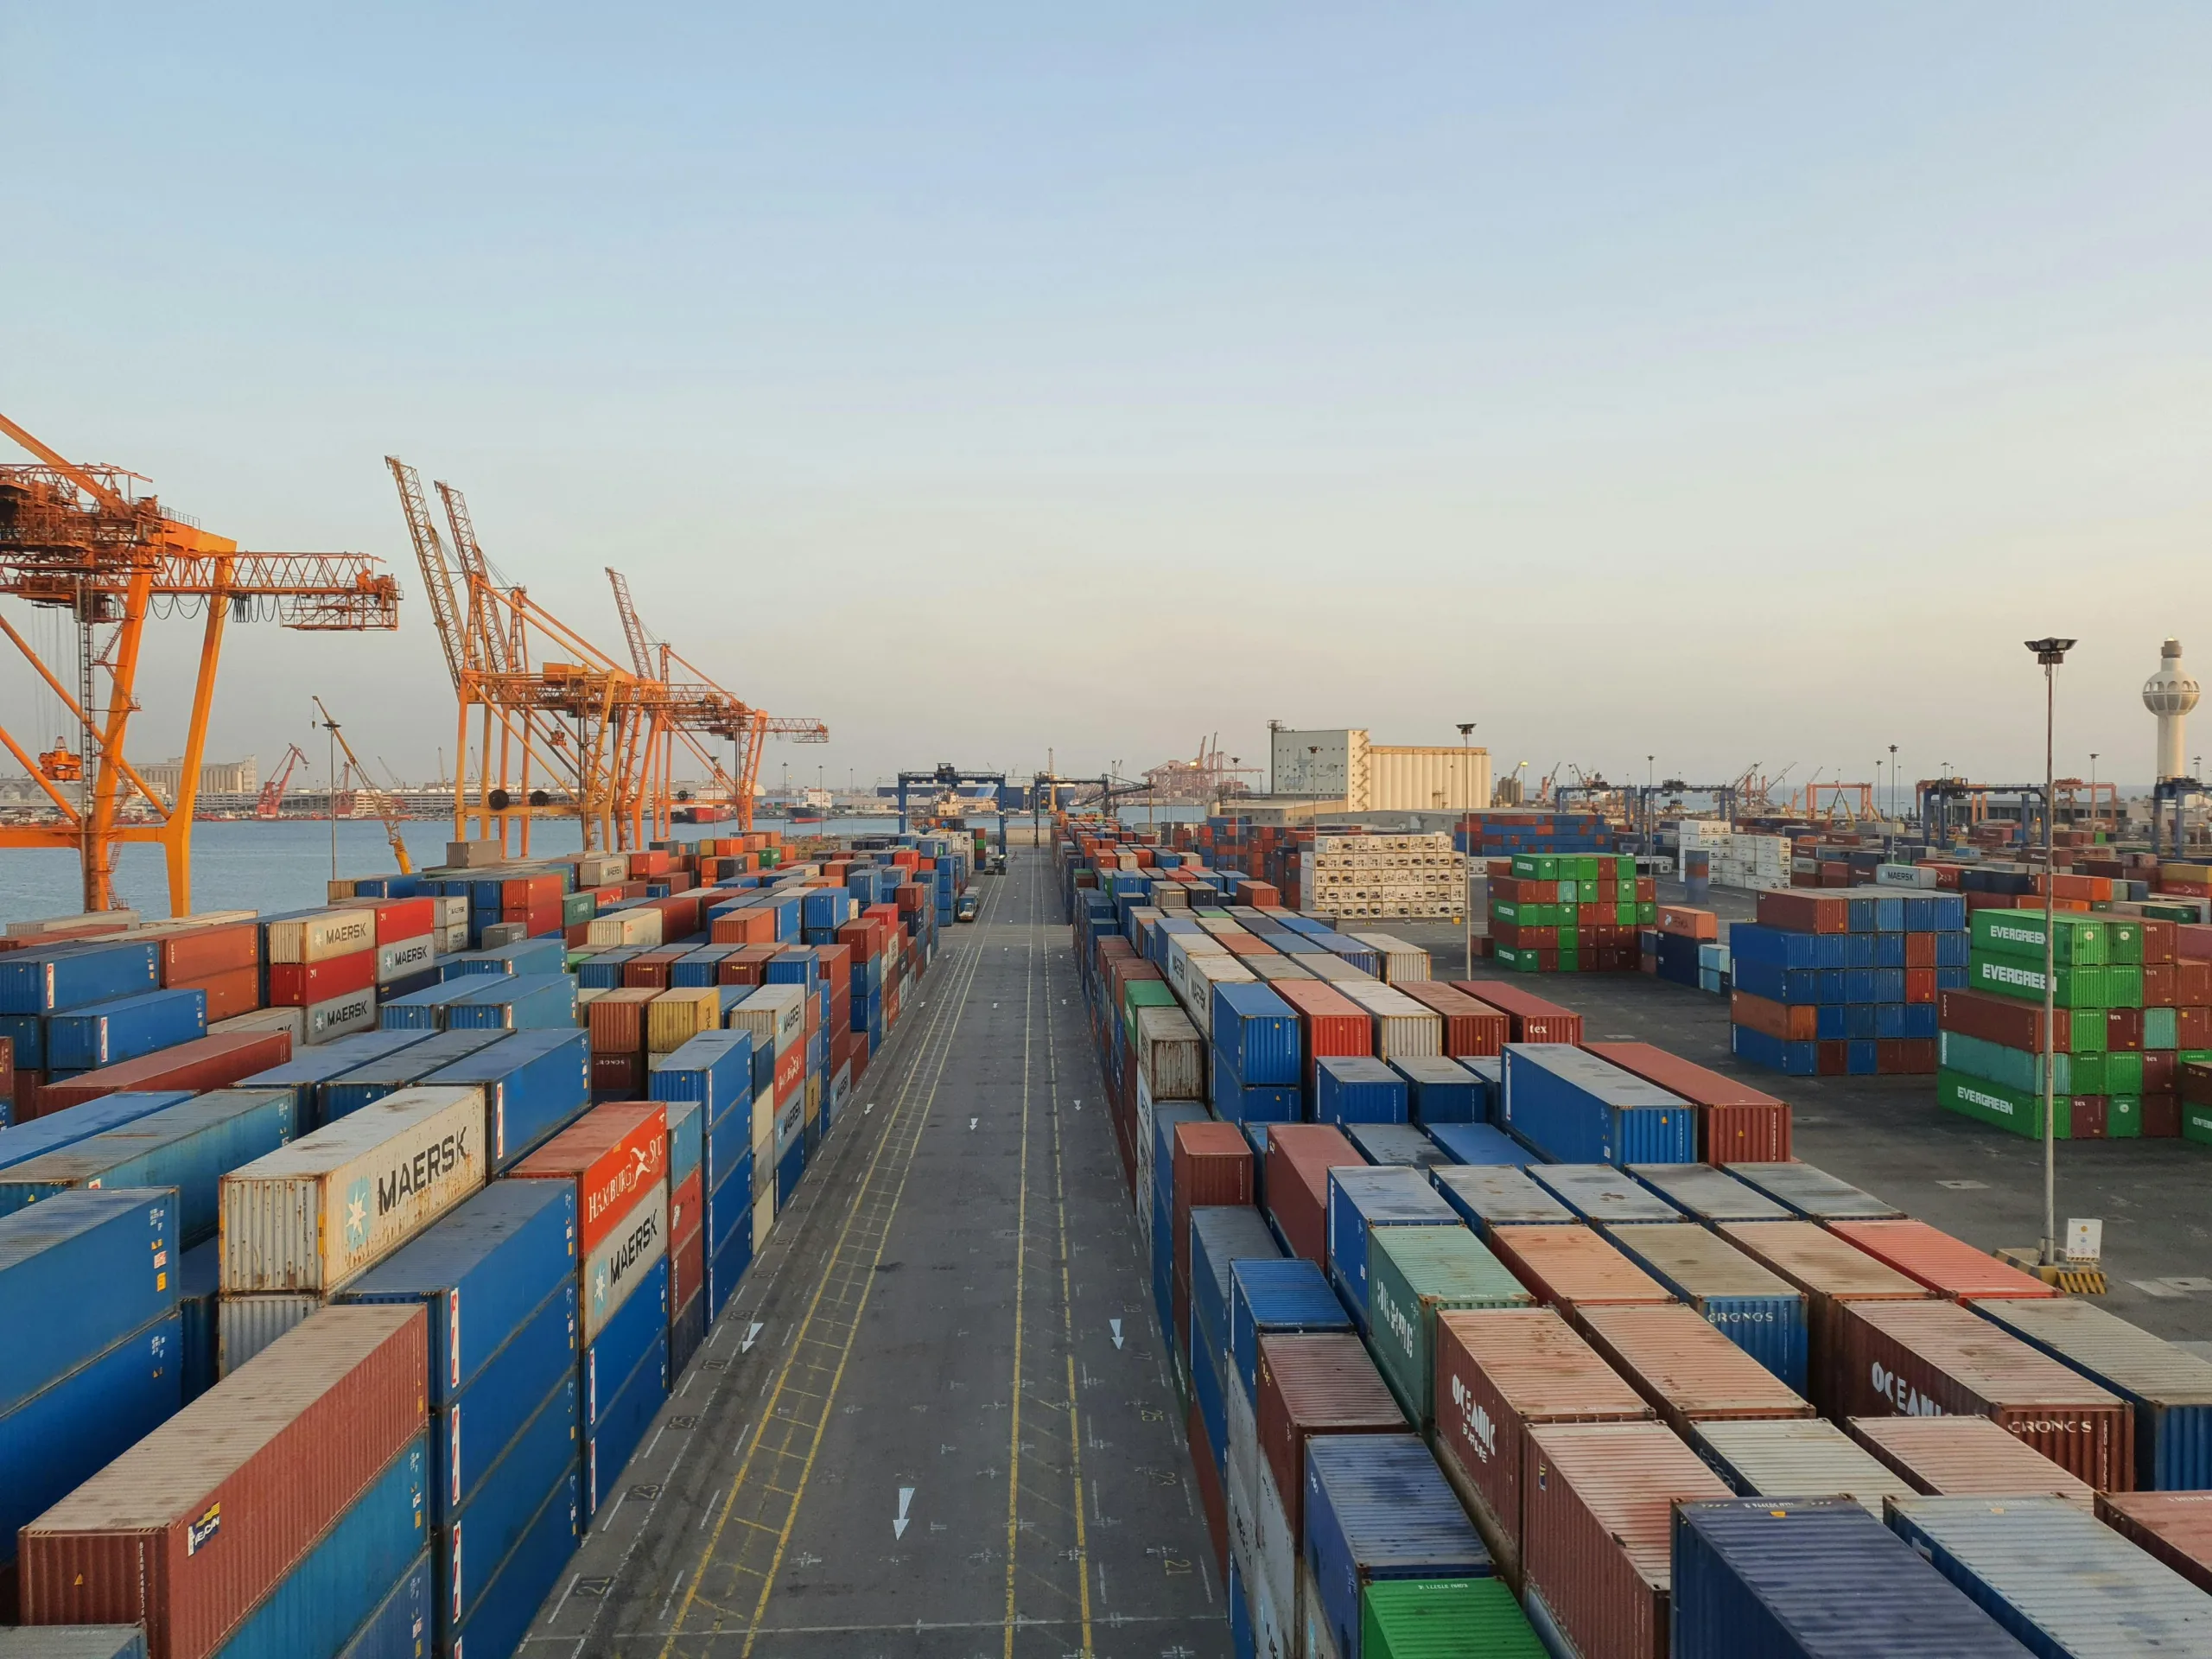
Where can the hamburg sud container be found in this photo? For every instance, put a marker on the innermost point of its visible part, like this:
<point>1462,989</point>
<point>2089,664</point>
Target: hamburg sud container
<point>1966,1456</point>
<point>1599,1192</point>
<point>2175,1528</point>
<point>1572,1267</point>
<point>1499,1373</point>
<point>1363,1200</point>
<point>1757,1310</point>
<point>1708,1194</point>
<point>1792,1577</point>
<point>534,1083</point>
<point>1300,1157</point>
<point>1290,1296</point>
<point>1737,1124</point>
<point>1488,1196</point>
<point>1309,1386</point>
<point>1687,1371</point>
<point>1831,1274</point>
<point>1377,1510</point>
<point>1916,1359</point>
<point>1797,1457</point>
<point>194,1525</point>
<point>1597,1514</point>
<point>1577,1108</point>
<point>1412,1274</point>
<point>2169,1388</point>
<point>2055,1579</point>
<point>1950,1267</point>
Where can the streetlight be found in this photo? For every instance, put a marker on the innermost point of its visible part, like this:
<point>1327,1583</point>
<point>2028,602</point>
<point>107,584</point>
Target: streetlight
<point>1893,780</point>
<point>1466,870</point>
<point>2050,652</point>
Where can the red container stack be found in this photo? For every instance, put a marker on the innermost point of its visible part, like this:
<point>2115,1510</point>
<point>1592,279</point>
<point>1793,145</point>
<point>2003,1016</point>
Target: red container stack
<point>1736,1123</point>
<point>1470,1029</point>
<point>1535,1020</point>
<point>1313,1385</point>
<point>1213,1165</point>
<point>1329,1022</point>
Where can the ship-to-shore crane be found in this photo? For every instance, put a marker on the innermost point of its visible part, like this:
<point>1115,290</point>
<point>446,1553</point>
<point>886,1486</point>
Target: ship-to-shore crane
<point>80,538</point>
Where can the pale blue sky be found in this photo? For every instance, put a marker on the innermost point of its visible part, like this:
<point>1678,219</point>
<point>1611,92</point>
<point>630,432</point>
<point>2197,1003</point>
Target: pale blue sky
<point>1734,383</point>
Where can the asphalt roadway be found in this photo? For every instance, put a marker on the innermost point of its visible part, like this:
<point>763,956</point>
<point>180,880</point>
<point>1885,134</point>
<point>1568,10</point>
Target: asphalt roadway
<point>935,1419</point>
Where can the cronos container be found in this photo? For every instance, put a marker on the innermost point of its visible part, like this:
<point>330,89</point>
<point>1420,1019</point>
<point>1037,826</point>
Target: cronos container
<point>1413,1274</point>
<point>1815,1577</point>
<point>2056,1580</point>
<point>1579,1109</point>
<point>1813,1193</point>
<point>1797,1457</point>
<point>1915,1359</point>
<point>1311,1385</point>
<point>186,1532</point>
<point>1377,1510</point>
<point>1686,1368</point>
<point>1709,1194</point>
<point>1572,1267</point>
<point>1598,1508</point>
<point>309,1216</point>
<point>1950,1267</point>
<point>1498,1373</point>
<point>1754,1308</point>
<point>2169,1388</point>
<point>1965,1456</point>
<point>1300,1157</point>
<point>1831,1272</point>
<point>2175,1528</point>
<point>1599,1192</point>
<point>1737,1124</point>
<point>1498,1195</point>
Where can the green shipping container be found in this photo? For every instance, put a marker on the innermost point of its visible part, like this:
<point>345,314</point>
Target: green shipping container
<point>2171,912</point>
<point>2124,1117</point>
<point>2016,1068</point>
<point>1535,867</point>
<point>2160,1028</point>
<point>1624,915</point>
<point>2015,976</point>
<point>2196,1124</point>
<point>2124,985</point>
<point>2016,1110</point>
<point>1409,1281</point>
<point>1444,1619</point>
<point>2124,940</point>
<point>577,908</point>
<point>2116,1072</point>
<point>2080,939</point>
<point>1143,994</point>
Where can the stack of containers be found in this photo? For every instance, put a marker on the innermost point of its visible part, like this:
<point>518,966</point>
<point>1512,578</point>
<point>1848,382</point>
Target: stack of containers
<point>399,1067</point>
<point>37,984</point>
<point>223,961</point>
<point>497,1279</point>
<point>1576,1107</point>
<point>535,1084</point>
<point>1674,943</point>
<point>776,1018</point>
<point>687,1235</point>
<point>1256,1065</point>
<point>1835,984</point>
<point>615,1160</point>
<point>1568,913</point>
<point>718,1073</point>
<point>616,1021</point>
<point>325,963</point>
<point>1736,1123</point>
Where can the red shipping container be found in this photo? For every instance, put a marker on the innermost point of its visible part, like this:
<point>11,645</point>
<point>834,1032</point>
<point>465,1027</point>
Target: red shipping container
<point>1831,1059</point>
<point>1965,1456</point>
<point>1308,1385</point>
<point>1213,1503</point>
<point>2176,1528</point>
<point>1920,950</point>
<point>1535,1020</point>
<point>2161,1072</point>
<point>612,1153</point>
<point>1569,1267</point>
<point>2161,985</point>
<point>1906,1057</point>
<point>1950,1267</point>
<point>2159,941</point>
<point>1919,983</point>
<point>1737,1124</point>
<point>203,1064</point>
<point>865,939</point>
<point>194,954</point>
<point>1470,1029</point>
<point>1799,912</point>
<point>686,1210</point>
<point>189,1530</point>
<point>1788,1022</point>
<point>687,1267</point>
<point>518,892</point>
<point>2193,1026</point>
<point>2124,1031</point>
<point>1916,1359</point>
<point>649,970</point>
<point>411,918</point>
<point>1212,1165</point>
<point>1598,1506</point>
<point>1684,1367</point>
<point>618,1076</point>
<point>2161,1117</point>
<point>229,995</point>
<point>2006,1020</point>
<point>1499,1373</point>
<point>1831,1272</point>
<point>1685,922</point>
<point>616,1021</point>
<point>1329,1022</point>
<point>2192,982</point>
<point>303,984</point>
<point>1300,1158</point>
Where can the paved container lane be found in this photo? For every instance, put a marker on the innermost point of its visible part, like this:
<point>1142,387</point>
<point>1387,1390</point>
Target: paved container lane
<point>935,1419</point>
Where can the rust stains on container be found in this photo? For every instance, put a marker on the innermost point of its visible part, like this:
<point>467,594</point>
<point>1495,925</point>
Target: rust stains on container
<point>1832,1272</point>
<point>1316,1385</point>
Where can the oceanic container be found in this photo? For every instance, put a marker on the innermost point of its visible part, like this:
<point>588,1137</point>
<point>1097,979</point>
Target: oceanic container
<point>1831,1274</point>
<point>1413,1274</point>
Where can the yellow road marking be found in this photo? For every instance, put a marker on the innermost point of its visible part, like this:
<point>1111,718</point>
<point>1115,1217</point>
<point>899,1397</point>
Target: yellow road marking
<point>1021,1280</point>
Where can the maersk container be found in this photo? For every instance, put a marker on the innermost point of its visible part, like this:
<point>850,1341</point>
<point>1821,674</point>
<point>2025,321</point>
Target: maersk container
<point>79,1274</point>
<point>2169,1388</point>
<point>1579,1108</point>
<point>1487,1196</point>
<point>535,1083</point>
<point>1813,1193</point>
<point>517,1002</point>
<point>1222,1235</point>
<point>1363,1199</point>
<point>1440,1090</point>
<point>69,976</point>
<point>366,1084</point>
<point>1290,1295</point>
<point>310,1215</point>
<point>715,1069</point>
<point>1709,1193</point>
<point>1600,1193</point>
<point>2064,1584</point>
<point>1413,1274</point>
<point>626,1259</point>
<point>1480,1143</point>
<point>1377,1509</point>
<point>401,1622</point>
<point>1357,1088</point>
<point>1813,1577</point>
<point>1445,1619</point>
<point>108,1034</point>
<point>510,1600</point>
<point>1399,1144</point>
<point>481,1270</point>
<point>310,1068</point>
<point>1256,1032</point>
<point>469,1544</point>
<point>1759,1311</point>
<point>190,1146</point>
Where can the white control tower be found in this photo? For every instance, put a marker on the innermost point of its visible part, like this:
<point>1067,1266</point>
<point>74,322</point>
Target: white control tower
<point>2170,694</point>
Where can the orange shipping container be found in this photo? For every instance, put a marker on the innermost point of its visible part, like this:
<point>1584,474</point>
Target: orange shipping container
<point>1965,1456</point>
<point>1687,1369</point>
<point>1950,1267</point>
<point>1571,1267</point>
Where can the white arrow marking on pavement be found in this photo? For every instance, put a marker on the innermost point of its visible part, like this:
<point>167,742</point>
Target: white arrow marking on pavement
<point>1117,1325</point>
<point>971,1123</point>
<point>751,1332</point>
<point>898,1526</point>
<point>866,1110</point>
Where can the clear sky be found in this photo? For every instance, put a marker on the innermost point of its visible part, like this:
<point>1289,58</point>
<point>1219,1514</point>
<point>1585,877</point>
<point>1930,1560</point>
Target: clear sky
<point>1733,383</point>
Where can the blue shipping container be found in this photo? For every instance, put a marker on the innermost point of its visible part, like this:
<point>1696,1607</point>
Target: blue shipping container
<point>726,1267</point>
<point>1600,1192</point>
<point>1357,1088</point>
<point>470,1544</point>
<point>79,1274</point>
<point>470,1430</point>
<point>535,1084</point>
<point>70,975</point>
<point>519,1002</point>
<point>1440,1090</point>
<point>531,958</point>
<point>1222,1235</point>
<point>625,1339</point>
<point>108,1034</point>
<point>1361,1199</point>
<point>364,1085</point>
<point>1377,1508</point>
<point>1235,1100</point>
<point>1497,1195</point>
<point>622,1424</point>
<point>1478,1143</point>
<point>199,1302</point>
<point>400,1626</point>
<point>1399,1144</point>
<point>1760,1312</point>
<point>423,1010</point>
<point>686,1143</point>
<point>1256,1032</point>
<point>310,1068</point>
<point>715,1068</point>
<point>1287,1294</point>
<point>74,1123</point>
<point>1580,1109</point>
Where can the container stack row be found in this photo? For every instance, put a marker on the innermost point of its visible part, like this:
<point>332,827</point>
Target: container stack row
<point>1580,912</point>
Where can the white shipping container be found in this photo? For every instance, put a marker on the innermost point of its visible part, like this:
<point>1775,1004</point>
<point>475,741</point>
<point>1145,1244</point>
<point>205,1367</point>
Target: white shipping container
<point>624,927</point>
<point>615,1267</point>
<point>246,1324</point>
<point>1404,1029</point>
<point>450,939</point>
<point>1242,1490</point>
<point>764,1218</point>
<point>449,910</point>
<point>405,956</point>
<point>791,1122</point>
<point>1180,949</point>
<point>1281,1570</point>
<point>602,869</point>
<point>1400,962</point>
<point>1201,976</point>
<point>1903,875</point>
<point>774,1014</point>
<point>1221,927</point>
<point>310,1215</point>
<point>292,1020</point>
<point>322,937</point>
<point>1171,1055</point>
<point>340,1016</point>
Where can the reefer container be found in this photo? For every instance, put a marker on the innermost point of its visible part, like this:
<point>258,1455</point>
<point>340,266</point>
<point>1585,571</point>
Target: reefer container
<point>1572,1267</point>
<point>1686,1368</point>
<point>1813,1193</point>
<point>1445,1619</point>
<point>1797,1457</point>
<point>1404,1029</point>
<point>1815,1577</point>
<point>1599,1192</point>
<point>107,1033</point>
<point>2169,1388</point>
<point>1579,1109</point>
<point>310,1215</point>
<point>74,1642</point>
<point>2054,1578</point>
<point>1710,1194</point>
<point>2175,1528</point>
<point>1831,1274</point>
<point>1496,1373</point>
<point>1498,1195</point>
<point>1290,1295</point>
<point>1737,1124</point>
<point>1950,1267</point>
<point>79,1274</point>
<point>534,1084</point>
<point>1757,1310</point>
<point>1412,1274</point>
<point>1377,1508</point>
<point>189,1529</point>
<point>1363,1199</point>
<point>1960,1456</point>
<point>615,1153</point>
<point>1915,1359</point>
<point>1310,1385</point>
<point>1300,1157</point>
<point>65,1128</point>
<point>1598,1504</point>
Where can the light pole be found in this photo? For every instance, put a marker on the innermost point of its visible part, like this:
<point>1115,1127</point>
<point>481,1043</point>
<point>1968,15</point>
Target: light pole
<point>331,726</point>
<point>2050,652</point>
<point>1893,780</point>
<point>1466,870</point>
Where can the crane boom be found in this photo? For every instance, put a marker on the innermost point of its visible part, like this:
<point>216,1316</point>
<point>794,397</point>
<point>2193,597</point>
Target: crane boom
<point>634,630</point>
<point>495,645</point>
<point>387,809</point>
<point>437,575</point>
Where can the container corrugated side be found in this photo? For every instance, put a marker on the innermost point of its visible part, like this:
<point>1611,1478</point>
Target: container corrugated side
<point>1445,1619</point>
<point>1413,1274</point>
<point>1962,1457</point>
<point>1831,1274</point>
<point>1797,1458</point>
<point>78,1274</point>
<point>1498,1195</point>
<point>1315,1385</point>
<point>1709,1193</point>
<point>1599,1192</point>
<point>1377,1508</point>
<point>1570,1268</point>
<point>1950,1267</point>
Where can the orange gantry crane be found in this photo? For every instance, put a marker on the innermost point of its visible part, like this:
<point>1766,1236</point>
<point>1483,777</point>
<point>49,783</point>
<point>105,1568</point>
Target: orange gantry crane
<point>80,538</point>
<point>692,711</point>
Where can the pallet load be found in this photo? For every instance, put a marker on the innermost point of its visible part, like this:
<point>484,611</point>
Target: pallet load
<point>1569,913</point>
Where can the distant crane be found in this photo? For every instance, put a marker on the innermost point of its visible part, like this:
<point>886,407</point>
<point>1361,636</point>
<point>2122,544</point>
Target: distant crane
<point>271,802</point>
<point>379,800</point>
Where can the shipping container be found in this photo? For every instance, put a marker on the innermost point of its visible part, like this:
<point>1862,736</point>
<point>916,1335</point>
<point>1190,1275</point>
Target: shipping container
<point>535,1083</point>
<point>74,1642</point>
<point>1831,1272</point>
<point>1920,1358</point>
<point>1813,1193</point>
<point>364,1084</point>
<point>1950,1267</point>
<point>310,1068</point>
<point>319,937</point>
<point>1601,1193</point>
<point>1169,1055</point>
<point>48,982</point>
<point>1572,1267</point>
<point>1363,1199</point>
<point>1256,1032</point>
<point>1470,1028</point>
<point>2175,1528</point>
<point>1480,1143</point>
<point>1296,1184</point>
<point>1687,1369</point>
<point>1403,1028</point>
<point>1310,1385</point>
<point>1445,1619</point>
<point>1289,1295</point>
<point>78,1274</point>
<point>1813,1577</point>
<point>1597,1515</point>
<point>1737,1124</point>
<point>107,1033</point>
<point>1223,1237</point>
<point>208,1063</point>
<point>1754,1308</point>
<point>1963,1456</point>
<point>1709,1194</point>
<point>1357,1088</point>
<point>510,1601</point>
<point>1377,1510</point>
<point>1797,1458</point>
<point>1439,1091</point>
<point>614,1154</point>
<point>1413,1274</point>
<point>1579,1109</point>
<point>2054,1579</point>
<point>66,1127</point>
<point>1488,1196</point>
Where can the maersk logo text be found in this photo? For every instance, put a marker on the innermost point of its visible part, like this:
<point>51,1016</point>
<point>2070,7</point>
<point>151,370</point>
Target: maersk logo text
<point>425,1170</point>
